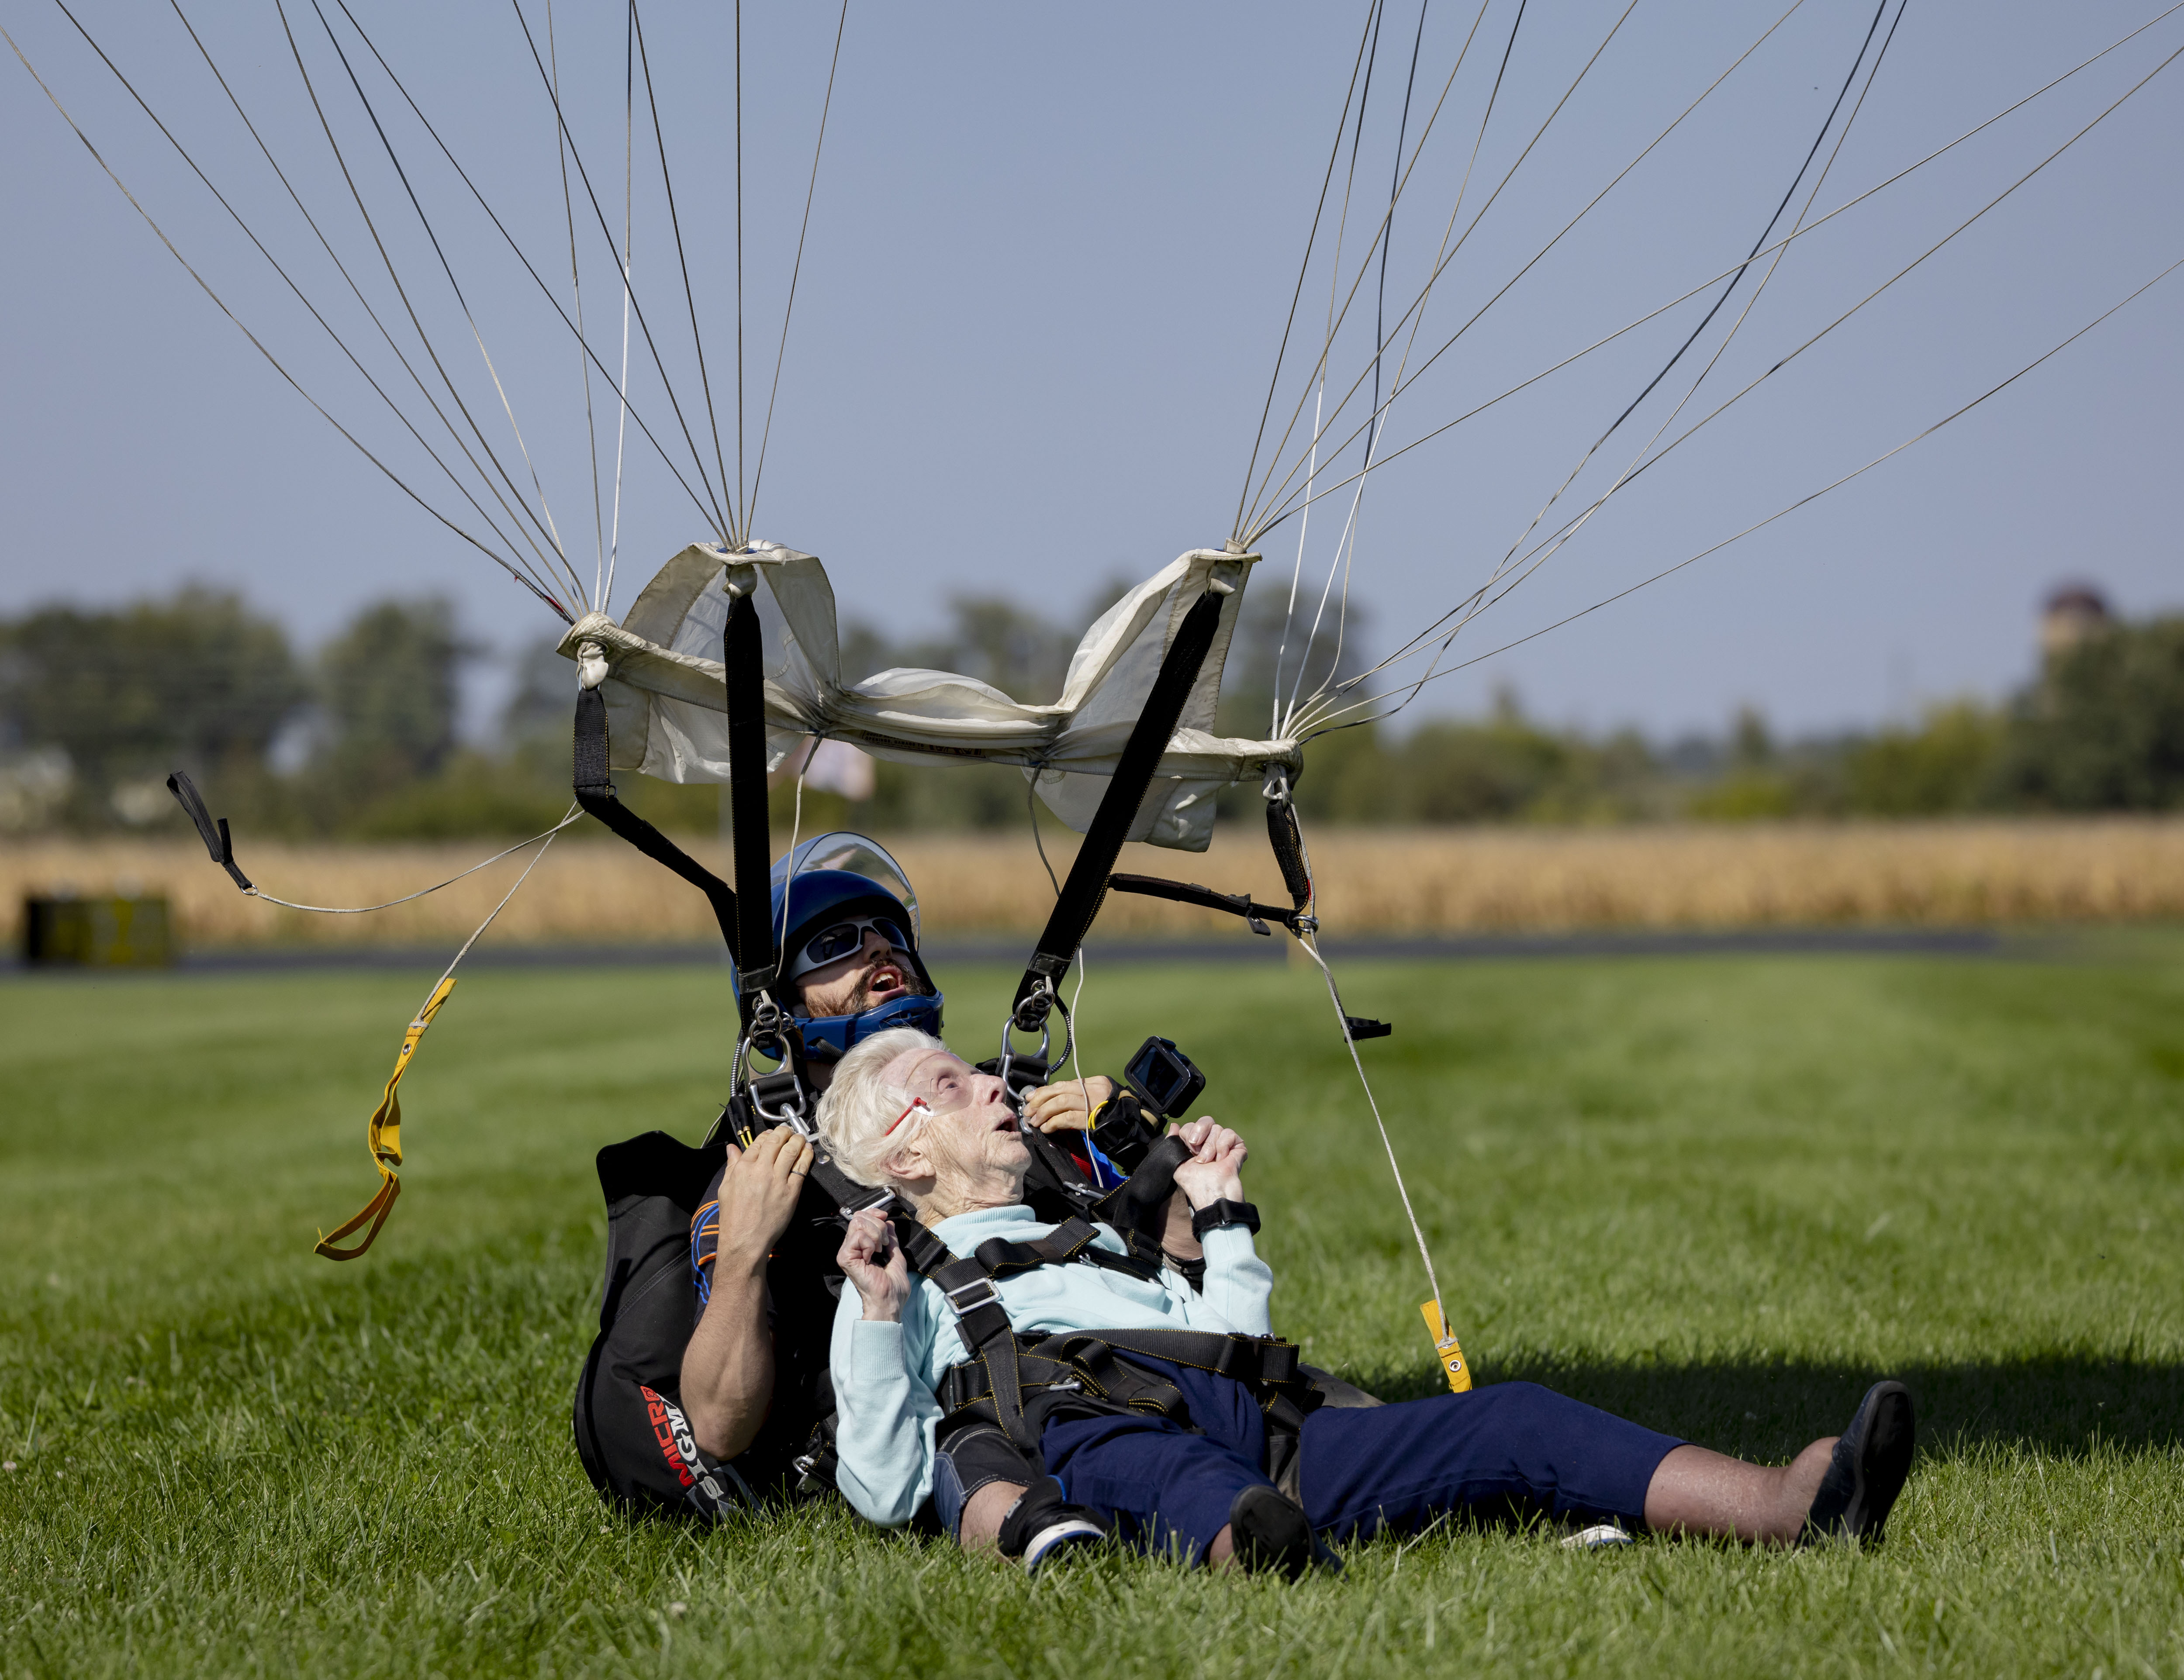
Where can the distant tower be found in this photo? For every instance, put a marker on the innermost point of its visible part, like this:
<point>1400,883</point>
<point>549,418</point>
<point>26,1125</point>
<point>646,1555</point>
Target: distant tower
<point>2074,612</point>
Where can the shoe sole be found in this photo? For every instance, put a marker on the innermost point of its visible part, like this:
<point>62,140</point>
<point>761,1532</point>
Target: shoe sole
<point>1883,1462</point>
<point>1064,1538</point>
<point>1270,1532</point>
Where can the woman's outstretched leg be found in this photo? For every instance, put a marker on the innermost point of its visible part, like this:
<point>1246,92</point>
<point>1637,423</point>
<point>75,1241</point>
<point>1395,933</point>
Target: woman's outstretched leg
<point>1697,1492</point>
<point>1844,1485</point>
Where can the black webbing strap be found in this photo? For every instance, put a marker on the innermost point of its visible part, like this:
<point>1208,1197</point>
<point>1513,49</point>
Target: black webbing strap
<point>1074,1239</point>
<point>743,652</point>
<point>992,1341</point>
<point>1053,1168</point>
<point>1092,1370</point>
<point>1204,898</point>
<point>1282,834</point>
<point>1247,1358</point>
<point>595,791</point>
<point>1138,1206</point>
<point>1087,885</point>
<point>214,835</point>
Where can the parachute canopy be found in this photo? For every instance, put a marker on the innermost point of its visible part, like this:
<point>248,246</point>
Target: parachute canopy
<point>666,690</point>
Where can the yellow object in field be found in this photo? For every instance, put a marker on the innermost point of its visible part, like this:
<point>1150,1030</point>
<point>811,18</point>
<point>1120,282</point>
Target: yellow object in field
<point>1451,1356</point>
<point>383,1136</point>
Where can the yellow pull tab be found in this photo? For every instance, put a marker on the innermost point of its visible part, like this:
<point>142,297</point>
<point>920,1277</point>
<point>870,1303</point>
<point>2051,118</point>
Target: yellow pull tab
<point>1450,1356</point>
<point>383,1137</point>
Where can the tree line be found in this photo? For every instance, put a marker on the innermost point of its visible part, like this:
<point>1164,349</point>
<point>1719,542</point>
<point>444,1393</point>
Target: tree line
<point>359,738</point>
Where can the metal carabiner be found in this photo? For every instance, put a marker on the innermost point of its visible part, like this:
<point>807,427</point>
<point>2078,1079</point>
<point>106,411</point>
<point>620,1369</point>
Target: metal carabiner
<point>1010,1024</point>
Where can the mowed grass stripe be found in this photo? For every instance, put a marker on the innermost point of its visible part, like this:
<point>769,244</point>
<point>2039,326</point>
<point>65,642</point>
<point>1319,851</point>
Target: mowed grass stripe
<point>1718,1194</point>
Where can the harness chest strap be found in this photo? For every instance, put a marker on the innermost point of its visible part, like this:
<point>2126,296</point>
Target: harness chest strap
<point>1007,1364</point>
<point>383,1136</point>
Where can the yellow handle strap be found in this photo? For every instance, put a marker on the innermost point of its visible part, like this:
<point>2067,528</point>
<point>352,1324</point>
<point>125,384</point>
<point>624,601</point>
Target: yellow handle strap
<point>1450,1356</point>
<point>383,1136</point>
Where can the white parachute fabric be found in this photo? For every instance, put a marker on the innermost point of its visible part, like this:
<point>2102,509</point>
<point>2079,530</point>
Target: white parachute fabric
<point>666,691</point>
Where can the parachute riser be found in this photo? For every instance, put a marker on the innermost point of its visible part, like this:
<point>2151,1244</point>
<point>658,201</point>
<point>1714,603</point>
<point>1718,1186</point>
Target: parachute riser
<point>1086,887</point>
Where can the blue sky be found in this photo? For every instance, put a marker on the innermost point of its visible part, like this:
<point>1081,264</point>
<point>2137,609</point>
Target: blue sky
<point>1049,258</point>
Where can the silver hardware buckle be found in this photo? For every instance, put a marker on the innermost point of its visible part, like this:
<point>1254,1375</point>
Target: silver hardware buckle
<point>991,1297</point>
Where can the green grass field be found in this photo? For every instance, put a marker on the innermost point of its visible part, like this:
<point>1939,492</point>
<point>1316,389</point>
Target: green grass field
<point>1719,1195</point>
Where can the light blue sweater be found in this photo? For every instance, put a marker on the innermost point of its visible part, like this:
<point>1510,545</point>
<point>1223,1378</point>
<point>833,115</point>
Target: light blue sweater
<point>886,1375</point>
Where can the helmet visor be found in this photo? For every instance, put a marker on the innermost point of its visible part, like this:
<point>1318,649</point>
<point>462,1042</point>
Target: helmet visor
<point>856,854</point>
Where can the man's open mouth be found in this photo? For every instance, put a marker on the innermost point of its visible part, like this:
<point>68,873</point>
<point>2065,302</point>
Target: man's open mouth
<point>885,981</point>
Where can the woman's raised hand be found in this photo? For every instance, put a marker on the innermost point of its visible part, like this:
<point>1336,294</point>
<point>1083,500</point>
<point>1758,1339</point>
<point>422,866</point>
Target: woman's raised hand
<point>1214,1172</point>
<point>872,1260</point>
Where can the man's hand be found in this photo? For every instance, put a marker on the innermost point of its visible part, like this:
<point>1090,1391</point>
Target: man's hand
<point>759,1192</point>
<point>1069,1106</point>
<point>872,1260</point>
<point>1214,1172</point>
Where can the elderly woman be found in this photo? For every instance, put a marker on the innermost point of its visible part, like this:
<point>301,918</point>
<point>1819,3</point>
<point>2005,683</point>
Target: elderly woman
<point>905,1113</point>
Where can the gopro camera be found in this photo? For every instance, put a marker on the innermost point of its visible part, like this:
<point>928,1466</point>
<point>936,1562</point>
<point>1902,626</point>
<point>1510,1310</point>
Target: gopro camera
<point>1163,1079</point>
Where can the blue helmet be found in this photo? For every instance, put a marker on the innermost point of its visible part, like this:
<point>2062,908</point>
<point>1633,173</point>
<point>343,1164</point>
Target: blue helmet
<point>841,877</point>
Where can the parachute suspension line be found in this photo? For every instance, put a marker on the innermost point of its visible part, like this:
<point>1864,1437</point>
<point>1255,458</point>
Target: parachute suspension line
<point>1282,511</point>
<point>583,365</point>
<point>1639,462</point>
<point>1415,312</point>
<point>1729,289</point>
<point>1257,523</point>
<point>1346,547</point>
<point>1304,266</point>
<point>1468,611</point>
<point>575,811</point>
<point>1380,330</point>
<point>383,1131</point>
<point>408,367</point>
<point>1364,266</point>
<point>743,536</point>
<point>1031,810</point>
<point>1077,1051</point>
<point>546,513</point>
<point>527,577</point>
<point>517,510</point>
<point>1545,551</point>
<point>628,222</point>
<point>393,477</point>
<point>1310,943</point>
<point>795,829</point>
<point>689,295</point>
<point>721,522</point>
<point>366,909</point>
<point>517,250</point>
<point>1327,348</point>
<point>1329,727</point>
<point>795,272</point>
<point>1296,573</point>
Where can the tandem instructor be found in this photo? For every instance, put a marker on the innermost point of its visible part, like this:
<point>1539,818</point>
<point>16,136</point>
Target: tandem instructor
<point>1175,1453</point>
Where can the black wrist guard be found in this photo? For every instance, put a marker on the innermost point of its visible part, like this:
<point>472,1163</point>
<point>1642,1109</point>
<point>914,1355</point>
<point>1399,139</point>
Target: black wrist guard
<point>1123,1130</point>
<point>1214,1215</point>
<point>1192,1272</point>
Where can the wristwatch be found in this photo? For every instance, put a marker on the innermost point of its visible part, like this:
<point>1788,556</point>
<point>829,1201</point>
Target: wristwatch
<point>1214,1215</point>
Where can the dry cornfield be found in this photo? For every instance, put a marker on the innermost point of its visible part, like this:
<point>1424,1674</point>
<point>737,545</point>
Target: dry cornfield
<point>1372,881</point>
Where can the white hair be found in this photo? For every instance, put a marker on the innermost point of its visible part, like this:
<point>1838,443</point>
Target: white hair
<point>859,1106</point>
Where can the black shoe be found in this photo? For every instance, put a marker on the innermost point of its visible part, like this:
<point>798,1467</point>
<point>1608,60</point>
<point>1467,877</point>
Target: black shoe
<point>1271,1532</point>
<point>1871,1461</point>
<point>1042,1525</point>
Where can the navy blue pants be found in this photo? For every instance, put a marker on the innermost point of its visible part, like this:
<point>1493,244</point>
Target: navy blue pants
<point>1507,1449</point>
